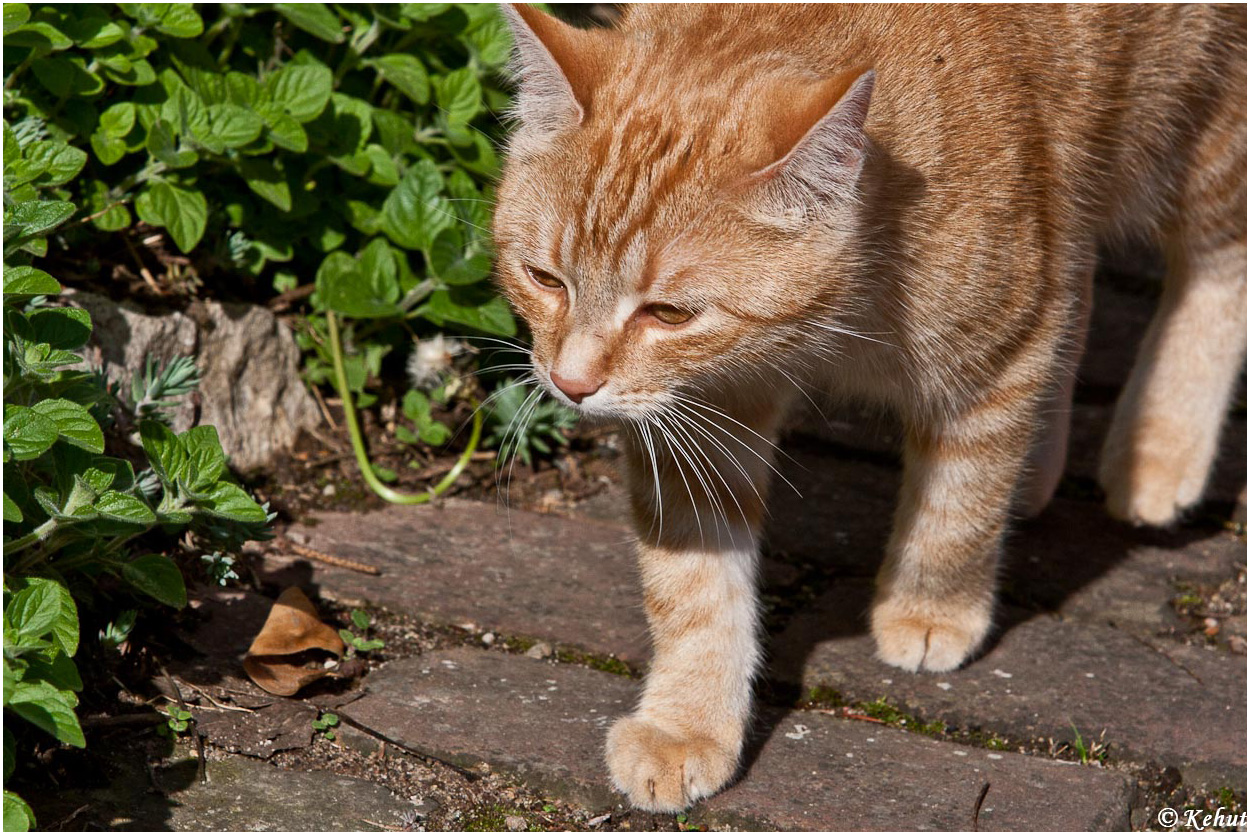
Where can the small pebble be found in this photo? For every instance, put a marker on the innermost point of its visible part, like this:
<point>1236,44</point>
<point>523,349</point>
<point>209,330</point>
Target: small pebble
<point>542,649</point>
<point>515,823</point>
<point>1237,645</point>
<point>329,490</point>
<point>488,638</point>
<point>599,820</point>
<point>1212,626</point>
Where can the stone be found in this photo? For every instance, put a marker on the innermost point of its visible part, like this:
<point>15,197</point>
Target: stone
<point>545,724</point>
<point>542,649</point>
<point>1155,699</point>
<point>250,388</point>
<point>508,572</point>
<point>244,795</point>
<point>515,823</point>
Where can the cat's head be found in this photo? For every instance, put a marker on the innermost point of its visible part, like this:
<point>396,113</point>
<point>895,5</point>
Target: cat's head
<point>663,225</point>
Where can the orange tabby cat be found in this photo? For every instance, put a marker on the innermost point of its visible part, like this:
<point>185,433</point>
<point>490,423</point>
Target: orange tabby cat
<point>707,207</point>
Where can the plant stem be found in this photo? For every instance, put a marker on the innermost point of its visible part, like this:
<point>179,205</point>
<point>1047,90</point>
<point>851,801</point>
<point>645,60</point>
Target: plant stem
<point>37,535</point>
<point>358,441</point>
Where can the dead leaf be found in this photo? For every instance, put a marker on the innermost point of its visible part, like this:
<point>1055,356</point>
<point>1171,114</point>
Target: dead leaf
<point>288,652</point>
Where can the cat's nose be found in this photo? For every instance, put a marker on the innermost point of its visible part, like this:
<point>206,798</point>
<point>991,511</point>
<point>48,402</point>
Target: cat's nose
<point>576,390</point>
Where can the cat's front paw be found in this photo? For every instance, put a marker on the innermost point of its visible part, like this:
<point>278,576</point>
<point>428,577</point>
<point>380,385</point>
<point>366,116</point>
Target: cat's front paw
<point>662,772</point>
<point>925,636</point>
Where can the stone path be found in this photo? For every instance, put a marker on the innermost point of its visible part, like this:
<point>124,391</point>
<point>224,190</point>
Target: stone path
<point>1088,642</point>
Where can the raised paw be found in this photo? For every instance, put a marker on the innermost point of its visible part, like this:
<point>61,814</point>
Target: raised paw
<point>661,772</point>
<point>927,637</point>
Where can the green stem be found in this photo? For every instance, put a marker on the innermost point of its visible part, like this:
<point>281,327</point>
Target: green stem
<point>39,534</point>
<point>358,441</point>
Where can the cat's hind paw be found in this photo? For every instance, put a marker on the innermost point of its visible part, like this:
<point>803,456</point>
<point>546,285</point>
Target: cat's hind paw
<point>922,638</point>
<point>661,772</point>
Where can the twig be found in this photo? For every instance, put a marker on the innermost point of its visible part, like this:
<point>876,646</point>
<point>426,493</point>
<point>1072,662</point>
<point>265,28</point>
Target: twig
<point>325,410</point>
<point>847,713</point>
<point>976,810</point>
<point>321,556</point>
<point>284,300</point>
<point>201,773</point>
<point>217,704</point>
<point>143,271</point>
<point>59,826</point>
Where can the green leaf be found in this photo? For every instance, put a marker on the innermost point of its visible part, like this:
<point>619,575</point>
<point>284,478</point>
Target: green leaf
<point>12,513</point>
<point>73,422</point>
<point>49,709</point>
<point>61,327</point>
<point>184,213</point>
<point>124,508</point>
<point>285,132</point>
<point>180,21</point>
<point>264,178</point>
<point>44,606</point>
<point>157,576</point>
<point>234,126</point>
<point>166,453</point>
<point>407,73</point>
<point>492,42</point>
<point>454,263</point>
<point>422,11</point>
<point>66,76</point>
<point>27,434</point>
<point>301,89</point>
<point>15,14</point>
<point>459,95</point>
<point>108,149</point>
<point>361,619</point>
<point>58,162</point>
<point>28,281</point>
<point>364,287</point>
<point>163,145</point>
<point>414,212</point>
<point>17,815</point>
<point>38,217</point>
<point>39,36</point>
<point>203,448</point>
<point>118,119</point>
<point>93,29</point>
<point>313,18</point>
<point>470,305</point>
<point>59,671</point>
<point>230,501</point>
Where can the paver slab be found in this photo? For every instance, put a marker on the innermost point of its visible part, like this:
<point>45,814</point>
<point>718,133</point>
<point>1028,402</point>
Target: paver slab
<point>571,581</point>
<point>1156,699</point>
<point>546,723</point>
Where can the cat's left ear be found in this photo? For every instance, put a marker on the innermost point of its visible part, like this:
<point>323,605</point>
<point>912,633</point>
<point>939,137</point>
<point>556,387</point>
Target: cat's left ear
<point>557,67</point>
<point>819,144</point>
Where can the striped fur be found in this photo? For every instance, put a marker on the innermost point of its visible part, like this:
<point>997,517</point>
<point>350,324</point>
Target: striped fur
<point>897,203</point>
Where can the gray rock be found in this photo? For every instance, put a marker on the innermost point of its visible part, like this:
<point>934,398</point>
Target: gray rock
<point>515,823</point>
<point>249,364</point>
<point>546,724</point>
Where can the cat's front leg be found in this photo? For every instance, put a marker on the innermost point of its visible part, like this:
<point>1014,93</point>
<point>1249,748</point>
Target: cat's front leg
<point>935,590</point>
<point>698,519</point>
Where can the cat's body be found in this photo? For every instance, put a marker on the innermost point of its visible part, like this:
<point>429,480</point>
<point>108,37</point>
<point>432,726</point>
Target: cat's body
<point>711,206</point>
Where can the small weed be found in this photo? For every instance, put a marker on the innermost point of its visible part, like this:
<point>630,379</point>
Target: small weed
<point>325,724</point>
<point>821,696</point>
<point>179,720</point>
<point>891,715</point>
<point>356,643</point>
<point>603,663</point>
<point>1094,752</point>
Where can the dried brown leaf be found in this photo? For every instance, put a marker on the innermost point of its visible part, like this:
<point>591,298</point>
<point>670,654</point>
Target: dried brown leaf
<point>289,650</point>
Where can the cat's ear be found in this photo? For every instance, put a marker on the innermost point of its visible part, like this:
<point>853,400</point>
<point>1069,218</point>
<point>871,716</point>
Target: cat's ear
<point>557,67</point>
<point>819,145</point>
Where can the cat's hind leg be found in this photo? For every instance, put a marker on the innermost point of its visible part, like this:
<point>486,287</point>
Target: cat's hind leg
<point>1166,429</point>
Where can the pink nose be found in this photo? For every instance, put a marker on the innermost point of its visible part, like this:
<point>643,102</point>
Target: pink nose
<point>576,390</point>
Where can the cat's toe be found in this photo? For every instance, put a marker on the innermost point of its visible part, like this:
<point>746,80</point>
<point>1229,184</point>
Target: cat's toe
<point>1156,501</point>
<point>662,772</point>
<point>920,638</point>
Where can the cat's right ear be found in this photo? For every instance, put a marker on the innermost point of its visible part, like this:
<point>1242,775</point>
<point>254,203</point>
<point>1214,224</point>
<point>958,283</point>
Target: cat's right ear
<point>557,67</point>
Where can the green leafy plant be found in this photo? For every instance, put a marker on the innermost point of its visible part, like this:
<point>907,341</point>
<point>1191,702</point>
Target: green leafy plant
<point>325,724</point>
<point>357,643</point>
<point>522,424</point>
<point>352,144</point>
<point>70,510</point>
<point>179,721</point>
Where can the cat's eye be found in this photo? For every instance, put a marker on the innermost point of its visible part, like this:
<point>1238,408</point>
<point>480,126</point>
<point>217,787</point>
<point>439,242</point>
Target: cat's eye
<point>543,277</point>
<point>668,314</point>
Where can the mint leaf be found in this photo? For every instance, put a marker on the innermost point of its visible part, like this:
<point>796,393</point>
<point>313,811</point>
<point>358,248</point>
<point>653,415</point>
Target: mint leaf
<point>157,576</point>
